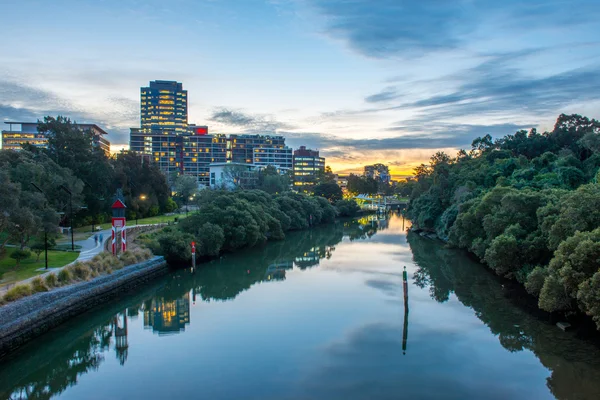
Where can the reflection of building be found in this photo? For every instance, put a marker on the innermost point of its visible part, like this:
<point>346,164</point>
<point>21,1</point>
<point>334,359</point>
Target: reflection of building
<point>277,270</point>
<point>379,172</point>
<point>167,317</point>
<point>27,132</point>
<point>308,259</point>
<point>307,166</point>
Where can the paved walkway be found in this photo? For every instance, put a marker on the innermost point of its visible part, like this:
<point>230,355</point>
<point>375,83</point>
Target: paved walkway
<point>89,248</point>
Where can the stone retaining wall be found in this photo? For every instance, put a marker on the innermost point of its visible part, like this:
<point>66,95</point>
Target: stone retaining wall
<point>25,319</point>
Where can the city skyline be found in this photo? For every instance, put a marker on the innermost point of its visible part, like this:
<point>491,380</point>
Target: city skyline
<point>364,84</point>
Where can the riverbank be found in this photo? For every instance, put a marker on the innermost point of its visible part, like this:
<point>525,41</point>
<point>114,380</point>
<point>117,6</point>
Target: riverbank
<point>32,316</point>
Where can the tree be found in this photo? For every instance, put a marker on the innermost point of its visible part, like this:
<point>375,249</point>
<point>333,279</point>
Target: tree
<point>329,190</point>
<point>186,188</point>
<point>19,255</point>
<point>271,181</point>
<point>347,208</point>
<point>238,176</point>
<point>38,248</point>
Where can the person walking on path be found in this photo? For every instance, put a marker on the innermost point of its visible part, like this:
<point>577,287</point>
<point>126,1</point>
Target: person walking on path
<point>96,239</point>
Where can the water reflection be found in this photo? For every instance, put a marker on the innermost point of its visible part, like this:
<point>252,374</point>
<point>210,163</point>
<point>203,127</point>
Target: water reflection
<point>43,370</point>
<point>366,359</point>
<point>575,364</point>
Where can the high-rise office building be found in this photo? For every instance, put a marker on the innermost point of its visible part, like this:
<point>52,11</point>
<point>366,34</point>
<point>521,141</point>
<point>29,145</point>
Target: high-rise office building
<point>163,123</point>
<point>307,165</point>
<point>179,148</point>
<point>164,108</point>
<point>379,172</point>
<point>19,133</point>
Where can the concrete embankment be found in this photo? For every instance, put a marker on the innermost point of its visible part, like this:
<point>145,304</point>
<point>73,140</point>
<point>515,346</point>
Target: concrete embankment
<point>30,317</point>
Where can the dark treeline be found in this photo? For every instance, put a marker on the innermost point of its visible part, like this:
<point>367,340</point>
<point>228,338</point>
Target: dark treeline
<point>72,162</point>
<point>527,205</point>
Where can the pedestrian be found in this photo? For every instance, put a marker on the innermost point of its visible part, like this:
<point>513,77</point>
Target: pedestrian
<point>96,239</point>
<point>101,239</point>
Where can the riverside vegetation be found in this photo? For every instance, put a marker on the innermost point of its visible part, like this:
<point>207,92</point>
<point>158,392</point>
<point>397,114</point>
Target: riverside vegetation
<point>102,264</point>
<point>527,205</point>
<point>227,221</point>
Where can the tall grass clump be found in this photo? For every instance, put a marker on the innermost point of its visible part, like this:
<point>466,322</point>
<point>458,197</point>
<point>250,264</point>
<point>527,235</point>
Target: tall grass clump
<point>38,285</point>
<point>64,276</point>
<point>17,292</point>
<point>51,280</point>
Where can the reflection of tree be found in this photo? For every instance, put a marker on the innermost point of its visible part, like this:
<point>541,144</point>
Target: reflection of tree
<point>575,364</point>
<point>47,368</point>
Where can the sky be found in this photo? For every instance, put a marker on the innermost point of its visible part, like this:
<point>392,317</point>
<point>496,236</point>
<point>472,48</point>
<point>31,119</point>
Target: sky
<point>363,81</point>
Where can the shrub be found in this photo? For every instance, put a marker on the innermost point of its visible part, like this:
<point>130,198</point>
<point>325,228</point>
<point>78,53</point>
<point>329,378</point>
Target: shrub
<point>64,276</point>
<point>38,285</point>
<point>17,292</point>
<point>535,280</point>
<point>347,208</point>
<point>51,280</point>
<point>19,255</point>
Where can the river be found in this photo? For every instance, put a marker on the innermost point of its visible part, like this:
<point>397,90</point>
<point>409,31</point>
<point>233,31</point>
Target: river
<point>320,315</point>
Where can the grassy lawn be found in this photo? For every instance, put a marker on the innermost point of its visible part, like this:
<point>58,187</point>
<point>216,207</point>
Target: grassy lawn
<point>160,219</point>
<point>9,274</point>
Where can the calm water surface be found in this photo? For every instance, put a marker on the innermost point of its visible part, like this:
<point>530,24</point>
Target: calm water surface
<point>318,316</point>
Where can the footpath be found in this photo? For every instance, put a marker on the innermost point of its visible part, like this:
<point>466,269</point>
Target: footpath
<point>89,249</point>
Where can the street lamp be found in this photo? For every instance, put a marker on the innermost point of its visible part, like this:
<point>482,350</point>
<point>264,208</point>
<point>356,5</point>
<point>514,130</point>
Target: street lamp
<point>45,230</point>
<point>142,197</point>
<point>63,187</point>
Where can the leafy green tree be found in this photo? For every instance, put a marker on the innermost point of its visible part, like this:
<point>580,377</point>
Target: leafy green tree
<point>210,239</point>
<point>20,255</point>
<point>329,190</point>
<point>186,188</point>
<point>347,208</point>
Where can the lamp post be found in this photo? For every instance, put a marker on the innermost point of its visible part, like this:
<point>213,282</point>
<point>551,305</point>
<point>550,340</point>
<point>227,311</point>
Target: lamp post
<point>142,197</point>
<point>63,187</point>
<point>45,230</point>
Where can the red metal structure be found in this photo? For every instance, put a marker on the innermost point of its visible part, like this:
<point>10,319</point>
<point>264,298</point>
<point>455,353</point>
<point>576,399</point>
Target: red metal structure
<point>119,225</point>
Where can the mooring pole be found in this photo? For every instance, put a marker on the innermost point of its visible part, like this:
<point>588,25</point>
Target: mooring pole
<point>194,255</point>
<point>405,328</point>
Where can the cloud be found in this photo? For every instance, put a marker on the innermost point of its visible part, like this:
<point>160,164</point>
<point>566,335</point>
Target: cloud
<point>21,103</point>
<point>390,27</point>
<point>408,28</point>
<point>389,93</point>
<point>251,123</point>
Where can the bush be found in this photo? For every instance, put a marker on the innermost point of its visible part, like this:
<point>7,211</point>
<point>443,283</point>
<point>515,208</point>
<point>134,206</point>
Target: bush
<point>347,208</point>
<point>19,255</point>
<point>64,276</point>
<point>175,247</point>
<point>51,280</point>
<point>38,285</point>
<point>535,280</point>
<point>210,240</point>
<point>17,292</point>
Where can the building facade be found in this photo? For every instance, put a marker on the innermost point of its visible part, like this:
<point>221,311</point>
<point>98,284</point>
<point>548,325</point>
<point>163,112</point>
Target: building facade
<point>164,108</point>
<point>232,175</point>
<point>166,137</point>
<point>307,166</point>
<point>379,172</point>
<point>261,150</point>
<point>20,133</point>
